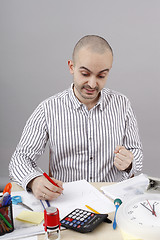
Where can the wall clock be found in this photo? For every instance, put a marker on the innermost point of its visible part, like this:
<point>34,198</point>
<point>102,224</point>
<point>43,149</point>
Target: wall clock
<point>140,216</point>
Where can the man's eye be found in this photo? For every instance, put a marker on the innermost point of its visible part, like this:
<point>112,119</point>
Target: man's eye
<point>85,74</point>
<point>100,76</point>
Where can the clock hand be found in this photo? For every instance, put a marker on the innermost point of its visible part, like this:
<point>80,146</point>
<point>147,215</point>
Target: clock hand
<point>153,209</point>
<point>153,212</point>
<point>146,207</point>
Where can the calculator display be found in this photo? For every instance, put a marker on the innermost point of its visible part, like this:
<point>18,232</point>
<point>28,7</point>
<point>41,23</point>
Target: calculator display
<point>83,221</point>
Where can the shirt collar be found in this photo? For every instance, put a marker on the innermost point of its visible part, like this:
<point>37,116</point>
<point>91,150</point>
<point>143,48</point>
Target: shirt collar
<point>77,104</point>
<point>74,100</point>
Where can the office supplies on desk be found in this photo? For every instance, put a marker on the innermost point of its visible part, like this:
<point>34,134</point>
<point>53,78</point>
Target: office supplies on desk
<point>17,200</point>
<point>76,195</point>
<point>82,221</point>
<point>8,188</point>
<point>6,199</point>
<point>52,222</point>
<point>90,208</point>
<point>31,217</point>
<point>6,219</point>
<point>130,187</point>
<point>117,203</point>
<point>48,204</point>
<point>107,220</point>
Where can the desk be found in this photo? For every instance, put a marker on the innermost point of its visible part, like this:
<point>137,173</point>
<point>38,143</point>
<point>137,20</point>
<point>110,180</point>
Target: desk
<point>103,232</point>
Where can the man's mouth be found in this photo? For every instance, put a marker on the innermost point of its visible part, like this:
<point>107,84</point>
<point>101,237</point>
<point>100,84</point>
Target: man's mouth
<point>90,90</point>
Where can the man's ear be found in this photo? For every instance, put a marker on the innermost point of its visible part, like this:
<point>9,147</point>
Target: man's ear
<point>71,66</point>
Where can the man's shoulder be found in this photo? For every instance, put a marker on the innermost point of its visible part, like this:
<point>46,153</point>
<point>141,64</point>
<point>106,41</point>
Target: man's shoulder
<point>109,93</point>
<point>57,97</point>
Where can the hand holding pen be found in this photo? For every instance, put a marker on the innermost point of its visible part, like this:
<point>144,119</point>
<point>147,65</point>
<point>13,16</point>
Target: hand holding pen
<point>46,188</point>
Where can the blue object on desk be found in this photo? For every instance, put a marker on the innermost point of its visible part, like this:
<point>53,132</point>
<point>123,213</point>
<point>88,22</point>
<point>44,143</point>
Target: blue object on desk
<point>117,203</point>
<point>6,199</point>
<point>17,200</point>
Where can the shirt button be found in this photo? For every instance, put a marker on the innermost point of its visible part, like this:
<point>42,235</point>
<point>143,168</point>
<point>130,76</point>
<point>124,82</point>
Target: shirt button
<point>91,158</point>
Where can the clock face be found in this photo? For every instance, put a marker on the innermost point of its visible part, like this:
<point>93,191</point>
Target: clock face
<point>140,216</point>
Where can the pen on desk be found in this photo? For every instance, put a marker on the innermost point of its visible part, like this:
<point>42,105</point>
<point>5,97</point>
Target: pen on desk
<point>93,210</point>
<point>42,203</point>
<point>49,179</point>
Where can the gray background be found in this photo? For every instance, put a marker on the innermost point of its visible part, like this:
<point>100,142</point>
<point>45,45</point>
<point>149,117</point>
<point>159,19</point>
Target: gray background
<point>36,40</point>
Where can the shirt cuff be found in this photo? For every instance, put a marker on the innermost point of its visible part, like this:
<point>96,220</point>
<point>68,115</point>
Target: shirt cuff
<point>29,178</point>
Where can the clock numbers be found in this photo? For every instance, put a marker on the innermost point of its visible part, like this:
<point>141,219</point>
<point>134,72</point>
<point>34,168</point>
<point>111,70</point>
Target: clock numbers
<point>135,206</point>
<point>130,212</point>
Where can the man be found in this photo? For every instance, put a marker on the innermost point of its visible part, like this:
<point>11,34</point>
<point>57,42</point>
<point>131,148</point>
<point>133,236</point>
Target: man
<point>92,131</point>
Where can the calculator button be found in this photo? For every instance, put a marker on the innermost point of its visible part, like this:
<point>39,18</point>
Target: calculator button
<point>88,213</point>
<point>85,216</point>
<point>78,222</point>
<point>68,219</point>
<point>81,219</point>
<point>71,224</point>
<point>78,226</point>
<point>67,222</point>
<point>89,217</point>
<point>74,221</point>
<point>78,218</point>
<point>63,221</point>
<point>92,214</point>
<point>75,225</point>
<point>74,217</point>
<point>82,223</point>
<point>86,220</point>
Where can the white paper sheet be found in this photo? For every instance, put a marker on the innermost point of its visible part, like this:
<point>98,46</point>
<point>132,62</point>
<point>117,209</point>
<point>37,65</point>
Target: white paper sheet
<point>127,188</point>
<point>76,195</point>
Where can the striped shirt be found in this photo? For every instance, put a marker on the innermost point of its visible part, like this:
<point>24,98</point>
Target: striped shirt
<point>81,142</point>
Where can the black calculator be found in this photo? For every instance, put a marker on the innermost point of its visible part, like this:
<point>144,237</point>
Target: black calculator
<point>83,221</point>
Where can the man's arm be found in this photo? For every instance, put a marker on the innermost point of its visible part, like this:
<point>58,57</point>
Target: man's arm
<point>22,167</point>
<point>129,157</point>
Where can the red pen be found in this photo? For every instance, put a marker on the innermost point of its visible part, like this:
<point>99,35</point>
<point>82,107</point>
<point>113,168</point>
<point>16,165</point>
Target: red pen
<point>49,179</point>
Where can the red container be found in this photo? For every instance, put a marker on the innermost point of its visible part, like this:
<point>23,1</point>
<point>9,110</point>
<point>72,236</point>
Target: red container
<point>51,219</point>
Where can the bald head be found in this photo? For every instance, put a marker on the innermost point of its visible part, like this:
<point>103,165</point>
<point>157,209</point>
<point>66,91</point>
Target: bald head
<point>93,43</point>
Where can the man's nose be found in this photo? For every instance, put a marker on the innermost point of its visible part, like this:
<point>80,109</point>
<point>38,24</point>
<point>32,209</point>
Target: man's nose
<point>92,82</point>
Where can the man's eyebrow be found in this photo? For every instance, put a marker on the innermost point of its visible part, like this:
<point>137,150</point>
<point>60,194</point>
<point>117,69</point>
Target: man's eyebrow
<point>91,71</point>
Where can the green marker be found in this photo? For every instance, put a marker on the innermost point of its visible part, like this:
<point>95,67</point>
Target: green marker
<point>3,218</point>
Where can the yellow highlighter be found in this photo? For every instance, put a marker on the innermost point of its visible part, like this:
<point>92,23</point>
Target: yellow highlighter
<point>91,209</point>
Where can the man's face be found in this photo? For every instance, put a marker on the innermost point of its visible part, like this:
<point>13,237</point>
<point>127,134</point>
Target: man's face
<point>90,72</point>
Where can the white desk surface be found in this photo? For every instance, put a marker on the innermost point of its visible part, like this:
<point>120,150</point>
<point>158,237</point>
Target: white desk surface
<point>103,232</point>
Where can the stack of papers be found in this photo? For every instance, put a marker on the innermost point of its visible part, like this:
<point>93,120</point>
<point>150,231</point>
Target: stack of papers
<point>128,188</point>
